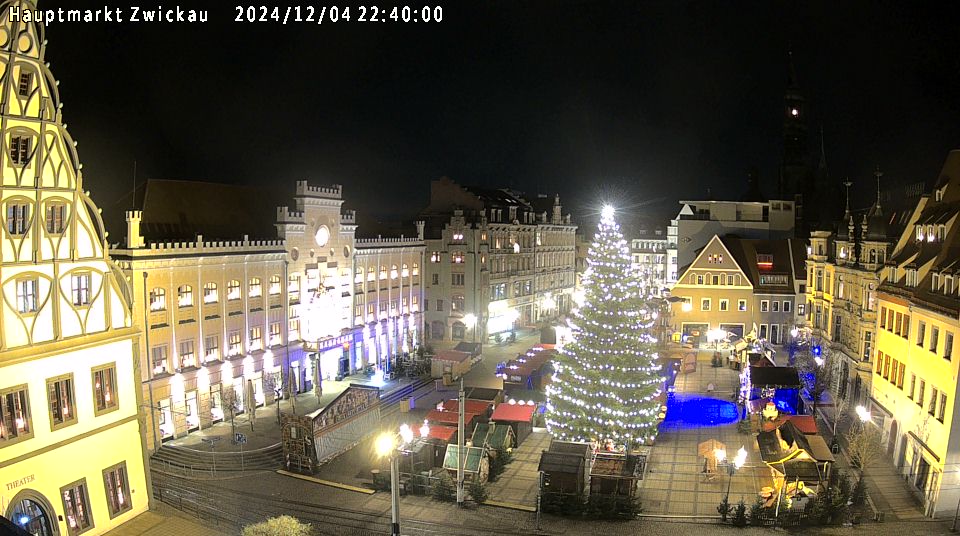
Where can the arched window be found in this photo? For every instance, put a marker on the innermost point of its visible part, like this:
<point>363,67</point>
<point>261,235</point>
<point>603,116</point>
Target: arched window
<point>274,285</point>
<point>233,290</point>
<point>185,296</point>
<point>255,288</point>
<point>358,276</point>
<point>158,299</point>
<point>404,271</point>
<point>459,329</point>
<point>416,269</point>
<point>371,274</point>
<point>210,293</point>
<point>393,272</point>
<point>383,272</point>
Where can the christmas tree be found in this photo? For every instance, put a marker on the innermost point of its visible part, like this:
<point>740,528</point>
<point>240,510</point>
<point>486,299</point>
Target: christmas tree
<point>607,381</point>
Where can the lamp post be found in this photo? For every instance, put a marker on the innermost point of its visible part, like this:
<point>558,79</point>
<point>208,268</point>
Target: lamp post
<point>732,468</point>
<point>387,445</point>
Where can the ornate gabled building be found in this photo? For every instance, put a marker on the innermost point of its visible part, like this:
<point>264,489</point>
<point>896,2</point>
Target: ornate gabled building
<point>71,451</point>
<point>494,262</point>
<point>914,390</point>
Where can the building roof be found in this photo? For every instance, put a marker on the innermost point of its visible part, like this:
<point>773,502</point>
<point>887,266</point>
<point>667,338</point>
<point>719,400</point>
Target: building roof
<point>474,457</point>
<point>788,255</point>
<point>571,447</point>
<point>491,435</point>
<point>561,462</point>
<point>774,376</point>
<point>513,413</point>
<point>479,407</point>
<point>473,348</point>
<point>483,393</point>
<point>449,417</point>
<point>610,464</point>
<point>442,433</point>
<point>788,441</point>
<point>451,355</point>
<point>805,470</point>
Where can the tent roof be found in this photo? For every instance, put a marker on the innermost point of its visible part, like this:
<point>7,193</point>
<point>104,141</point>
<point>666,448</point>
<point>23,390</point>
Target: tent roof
<point>513,413</point>
<point>471,406</point>
<point>451,355</point>
<point>491,435</point>
<point>443,433</point>
<point>474,455</point>
<point>774,376</point>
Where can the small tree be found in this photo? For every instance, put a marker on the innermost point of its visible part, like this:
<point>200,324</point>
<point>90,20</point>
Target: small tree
<point>278,526</point>
<point>724,508</point>
<point>817,376</point>
<point>740,514</point>
<point>478,491</point>
<point>757,513</point>
<point>443,488</point>
<point>865,446</point>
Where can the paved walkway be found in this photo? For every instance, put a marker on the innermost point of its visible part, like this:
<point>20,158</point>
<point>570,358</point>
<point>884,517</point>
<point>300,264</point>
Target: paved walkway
<point>674,483</point>
<point>519,482</point>
<point>164,523</point>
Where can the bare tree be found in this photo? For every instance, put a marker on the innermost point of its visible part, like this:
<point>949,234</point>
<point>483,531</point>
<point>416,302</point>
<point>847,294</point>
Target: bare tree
<point>841,407</point>
<point>817,376</point>
<point>865,446</point>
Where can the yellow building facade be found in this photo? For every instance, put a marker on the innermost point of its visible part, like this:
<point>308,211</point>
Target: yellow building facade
<point>916,365</point>
<point>71,449</point>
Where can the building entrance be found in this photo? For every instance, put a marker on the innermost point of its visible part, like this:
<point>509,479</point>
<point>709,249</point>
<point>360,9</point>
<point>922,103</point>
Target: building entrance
<point>33,517</point>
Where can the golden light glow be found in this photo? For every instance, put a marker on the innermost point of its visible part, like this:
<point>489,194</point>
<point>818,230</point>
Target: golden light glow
<point>385,445</point>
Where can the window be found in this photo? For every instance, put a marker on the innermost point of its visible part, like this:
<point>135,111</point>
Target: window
<point>436,279</point>
<point>775,306</point>
<point>18,218</point>
<point>404,270</point>
<point>117,486</point>
<point>76,507</point>
<point>932,410</point>
<point>764,306</point>
<point>714,280</point>
<point>879,369</point>
<point>457,279</point>
<point>19,150</point>
<point>187,357</point>
<point>233,290</point>
<point>210,293</point>
<point>158,299</point>
<point>900,374</point>
<point>80,289</point>
<point>905,333</point>
<point>934,336</point>
<point>883,318</point>
<point>61,401</point>
<point>724,305</point>
<point>899,323</point>
<point>275,334</point>
<point>15,423</point>
<point>293,288</point>
<point>921,329</point>
<point>439,305</point>
<point>274,285</point>
<point>456,303</point>
<point>27,296</point>
<point>393,271</point>
<point>233,343</point>
<point>923,384</point>
<point>255,339</point>
<point>886,367</point>
<point>458,331</point>
<point>416,269</point>
<point>383,272</point>
<point>763,331</point>
<point>104,389</point>
<point>786,306</point>
<point>158,356</point>
<point>185,296</point>
<point>943,407</point>
<point>913,386</point>
<point>435,256</point>
<point>741,305</point>
<point>256,289</point>
<point>699,279</point>
<point>54,217</point>
<point>457,257</point>
<point>23,87</point>
<point>948,346</point>
<point>705,304</point>
<point>294,327</point>
<point>211,348</point>
<point>729,280</point>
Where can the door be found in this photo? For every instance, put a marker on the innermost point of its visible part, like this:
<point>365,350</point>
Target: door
<point>193,411</point>
<point>892,441</point>
<point>33,517</point>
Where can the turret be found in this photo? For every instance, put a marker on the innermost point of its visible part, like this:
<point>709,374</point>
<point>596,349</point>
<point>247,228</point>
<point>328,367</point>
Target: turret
<point>420,224</point>
<point>134,236</point>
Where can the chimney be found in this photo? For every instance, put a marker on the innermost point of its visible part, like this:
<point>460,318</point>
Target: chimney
<point>134,237</point>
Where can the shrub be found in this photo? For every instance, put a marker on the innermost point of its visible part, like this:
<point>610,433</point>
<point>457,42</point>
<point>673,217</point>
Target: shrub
<point>444,489</point>
<point>278,526</point>
<point>478,491</point>
<point>740,514</point>
<point>724,509</point>
<point>757,513</point>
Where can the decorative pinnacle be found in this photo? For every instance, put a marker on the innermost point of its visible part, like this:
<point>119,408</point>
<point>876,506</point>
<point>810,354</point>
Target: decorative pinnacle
<point>847,184</point>
<point>878,174</point>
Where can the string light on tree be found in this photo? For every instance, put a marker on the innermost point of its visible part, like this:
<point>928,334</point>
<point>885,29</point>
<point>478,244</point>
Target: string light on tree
<point>607,381</point>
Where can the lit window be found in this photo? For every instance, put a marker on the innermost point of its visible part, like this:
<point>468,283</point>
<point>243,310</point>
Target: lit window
<point>76,507</point>
<point>27,296</point>
<point>117,486</point>
<point>256,289</point>
<point>158,299</point>
<point>255,339</point>
<point>18,218</point>
<point>383,272</point>
<point>105,388</point>
<point>416,269</point>
<point>233,290</point>
<point>275,334</point>
<point>61,402</point>
<point>233,347</point>
<point>55,217</point>
<point>185,296</point>
<point>187,356</point>
<point>19,150</point>
<point>274,285</point>
<point>80,289</point>
<point>158,356</point>
<point>293,288</point>
<point>741,305</point>
<point>794,112</point>
<point>393,272</point>
<point>211,348</point>
<point>210,293</point>
<point>15,424</point>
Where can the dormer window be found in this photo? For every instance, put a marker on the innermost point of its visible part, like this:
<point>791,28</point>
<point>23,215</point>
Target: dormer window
<point>920,235</point>
<point>843,253</point>
<point>764,261</point>
<point>911,277</point>
<point>938,194</point>
<point>930,233</point>
<point>948,284</point>
<point>935,282</point>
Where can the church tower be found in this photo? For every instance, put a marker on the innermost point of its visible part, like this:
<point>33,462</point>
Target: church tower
<point>68,364</point>
<point>795,166</point>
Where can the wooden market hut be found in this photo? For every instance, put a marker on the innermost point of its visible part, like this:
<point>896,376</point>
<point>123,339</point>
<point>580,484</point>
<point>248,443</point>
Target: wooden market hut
<point>475,464</point>
<point>781,385</point>
<point>564,466</point>
<point>485,394</point>
<point>517,416</point>
<point>450,364</point>
<point>480,408</point>
<point>616,474</point>
<point>441,436</point>
<point>450,418</point>
<point>794,456</point>
<point>493,436</point>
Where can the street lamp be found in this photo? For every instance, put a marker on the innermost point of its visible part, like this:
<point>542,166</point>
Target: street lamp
<point>686,306</point>
<point>470,320</point>
<point>387,446</point>
<point>863,414</point>
<point>732,468</point>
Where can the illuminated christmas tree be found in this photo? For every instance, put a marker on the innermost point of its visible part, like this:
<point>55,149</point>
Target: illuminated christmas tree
<point>607,381</point>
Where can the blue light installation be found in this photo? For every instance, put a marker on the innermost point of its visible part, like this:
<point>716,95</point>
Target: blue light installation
<point>689,410</point>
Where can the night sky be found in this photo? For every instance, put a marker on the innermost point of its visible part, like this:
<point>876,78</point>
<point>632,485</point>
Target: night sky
<point>645,102</point>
